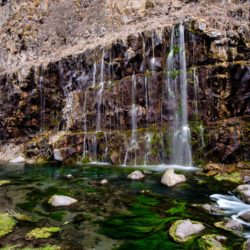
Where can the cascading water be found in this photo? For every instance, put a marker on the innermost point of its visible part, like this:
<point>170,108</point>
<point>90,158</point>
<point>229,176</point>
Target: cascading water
<point>133,143</point>
<point>85,128</point>
<point>42,102</point>
<point>94,75</point>
<point>196,99</point>
<point>177,97</point>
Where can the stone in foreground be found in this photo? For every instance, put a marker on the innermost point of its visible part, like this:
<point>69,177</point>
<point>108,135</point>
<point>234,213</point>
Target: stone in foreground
<point>136,175</point>
<point>61,201</point>
<point>184,230</point>
<point>42,233</point>
<point>170,179</point>
<point>7,224</point>
<point>244,192</point>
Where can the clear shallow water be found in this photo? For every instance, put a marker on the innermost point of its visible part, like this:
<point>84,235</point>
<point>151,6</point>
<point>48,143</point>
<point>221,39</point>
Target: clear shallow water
<point>123,214</point>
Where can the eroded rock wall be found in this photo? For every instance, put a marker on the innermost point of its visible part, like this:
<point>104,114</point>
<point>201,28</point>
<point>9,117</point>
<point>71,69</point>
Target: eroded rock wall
<point>50,107</point>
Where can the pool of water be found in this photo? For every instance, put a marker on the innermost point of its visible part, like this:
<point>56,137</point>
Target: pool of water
<point>122,214</point>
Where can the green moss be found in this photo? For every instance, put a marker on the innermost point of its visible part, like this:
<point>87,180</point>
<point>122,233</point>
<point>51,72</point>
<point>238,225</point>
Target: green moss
<point>7,224</point>
<point>58,215</point>
<point>234,177</point>
<point>4,182</point>
<point>42,233</point>
<point>209,242</point>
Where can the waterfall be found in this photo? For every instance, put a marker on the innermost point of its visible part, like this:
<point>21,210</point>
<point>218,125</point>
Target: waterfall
<point>177,97</point>
<point>196,99</point>
<point>42,102</point>
<point>148,138</point>
<point>94,75</point>
<point>85,124</point>
<point>99,103</point>
<point>133,143</point>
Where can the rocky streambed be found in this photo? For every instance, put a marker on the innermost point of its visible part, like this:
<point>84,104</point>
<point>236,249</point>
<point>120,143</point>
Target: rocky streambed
<point>104,207</point>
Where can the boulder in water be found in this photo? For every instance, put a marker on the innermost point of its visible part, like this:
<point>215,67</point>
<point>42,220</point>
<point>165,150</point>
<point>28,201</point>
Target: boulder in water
<point>136,175</point>
<point>212,242</point>
<point>61,200</point>
<point>244,192</point>
<point>170,179</point>
<point>184,230</point>
<point>232,226</point>
<point>104,182</point>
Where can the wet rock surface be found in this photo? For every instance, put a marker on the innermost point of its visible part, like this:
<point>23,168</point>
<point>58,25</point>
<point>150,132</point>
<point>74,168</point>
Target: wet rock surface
<point>244,192</point>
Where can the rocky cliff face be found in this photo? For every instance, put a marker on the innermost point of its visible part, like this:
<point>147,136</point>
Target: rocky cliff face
<point>55,54</point>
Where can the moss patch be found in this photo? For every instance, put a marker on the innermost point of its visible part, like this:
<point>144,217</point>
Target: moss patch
<point>42,233</point>
<point>7,224</point>
<point>234,177</point>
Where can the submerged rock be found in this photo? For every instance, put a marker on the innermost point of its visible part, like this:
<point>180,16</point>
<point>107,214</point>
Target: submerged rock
<point>136,175</point>
<point>184,230</point>
<point>244,192</point>
<point>61,200</point>
<point>7,224</point>
<point>212,242</point>
<point>232,226</point>
<point>208,208</point>
<point>42,233</point>
<point>170,179</point>
<point>245,216</point>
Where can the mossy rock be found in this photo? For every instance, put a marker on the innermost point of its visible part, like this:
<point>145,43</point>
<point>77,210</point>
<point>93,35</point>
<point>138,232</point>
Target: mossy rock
<point>22,217</point>
<point>7,224</point>
<point>42,233</point>
<point>4,182</point>
<point>222,225</point>
<point>189,235</point>
<point>210,242</point>
<point>234,177</point>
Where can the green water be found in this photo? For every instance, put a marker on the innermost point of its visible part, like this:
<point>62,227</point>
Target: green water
<point>122,214</point>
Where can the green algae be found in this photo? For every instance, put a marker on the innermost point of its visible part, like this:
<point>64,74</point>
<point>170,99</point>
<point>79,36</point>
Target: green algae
<point>7,224</point>
<point>234,177</point>
<point>138,222</point>
<point>179,208</point>
<point>42,233</point>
